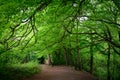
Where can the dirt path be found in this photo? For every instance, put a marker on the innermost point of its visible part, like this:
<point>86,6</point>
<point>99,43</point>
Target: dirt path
<point>60,73</point>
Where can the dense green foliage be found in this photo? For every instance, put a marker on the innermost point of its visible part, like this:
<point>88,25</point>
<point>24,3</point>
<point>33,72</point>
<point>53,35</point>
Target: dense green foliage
<point>84,34</point>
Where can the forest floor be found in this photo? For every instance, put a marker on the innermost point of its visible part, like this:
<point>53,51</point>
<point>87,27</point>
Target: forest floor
<point>60,73</point>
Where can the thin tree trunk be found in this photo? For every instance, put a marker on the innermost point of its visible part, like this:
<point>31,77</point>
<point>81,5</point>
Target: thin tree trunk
<point>71,61</point>
<point>91,57</point>
<point>114,62</point>
<point>65,56</point>
<point>79,60</point>
<point>49,60</point>
<point>91,61</point>
<point>70,49</point>
<point>109,36</point>
<point>78,50</point>
<point>91,54</point>
<point>108,63</point>
<point>119,35</point>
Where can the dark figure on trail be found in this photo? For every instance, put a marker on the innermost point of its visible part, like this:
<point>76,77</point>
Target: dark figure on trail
<point>41,60</point>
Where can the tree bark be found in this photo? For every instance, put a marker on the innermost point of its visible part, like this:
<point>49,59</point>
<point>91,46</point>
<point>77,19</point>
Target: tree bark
<point>78,50</point>
<point>119,35</point>
<point>65,57</point>
<point>91,55</point>
<point>108,63</point>
<point>49,60</point>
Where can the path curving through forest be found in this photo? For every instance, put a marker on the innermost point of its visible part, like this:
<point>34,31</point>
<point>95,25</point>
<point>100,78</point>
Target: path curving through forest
<point>60,73</point>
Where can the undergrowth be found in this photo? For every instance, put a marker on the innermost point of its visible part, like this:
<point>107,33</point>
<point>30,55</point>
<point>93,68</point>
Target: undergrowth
<point>18,71</point>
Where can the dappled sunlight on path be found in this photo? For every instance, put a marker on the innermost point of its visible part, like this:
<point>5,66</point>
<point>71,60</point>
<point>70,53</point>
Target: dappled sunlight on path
<point>60,73</point>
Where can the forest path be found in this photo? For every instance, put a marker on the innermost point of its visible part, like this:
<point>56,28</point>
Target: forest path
<point>60,73</point>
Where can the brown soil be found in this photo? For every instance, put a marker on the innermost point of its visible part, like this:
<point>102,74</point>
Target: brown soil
<point>60,73</point>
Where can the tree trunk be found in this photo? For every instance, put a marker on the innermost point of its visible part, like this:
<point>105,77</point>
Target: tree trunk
<point>49,60</point>
<point>108,63</point>
<point>113,70</point>
<point>91,59</point>
<point>119,34</point>
<point>78,50</point>
<point>91,55</point>
<point>65,57</point>
<point>79,60</point>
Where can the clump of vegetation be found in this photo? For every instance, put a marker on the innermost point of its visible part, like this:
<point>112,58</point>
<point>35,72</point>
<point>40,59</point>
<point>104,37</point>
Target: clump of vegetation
<point>15,65</point>
<point>18,71</point>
